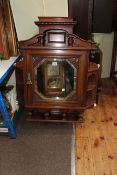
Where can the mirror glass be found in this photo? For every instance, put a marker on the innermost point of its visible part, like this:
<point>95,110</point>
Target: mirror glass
<point>55,78</point>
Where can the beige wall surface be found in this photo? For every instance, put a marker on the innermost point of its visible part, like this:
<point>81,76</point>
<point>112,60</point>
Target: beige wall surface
<point>26,12</point>
<point>105,42</point>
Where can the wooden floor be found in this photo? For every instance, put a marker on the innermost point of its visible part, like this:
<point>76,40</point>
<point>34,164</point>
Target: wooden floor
<point>96,138</point>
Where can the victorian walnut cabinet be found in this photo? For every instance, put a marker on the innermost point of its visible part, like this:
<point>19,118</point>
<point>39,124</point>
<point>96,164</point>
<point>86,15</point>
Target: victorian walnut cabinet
<point>59,80</point>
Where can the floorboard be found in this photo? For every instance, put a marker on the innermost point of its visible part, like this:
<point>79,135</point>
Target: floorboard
<point>96,138</point>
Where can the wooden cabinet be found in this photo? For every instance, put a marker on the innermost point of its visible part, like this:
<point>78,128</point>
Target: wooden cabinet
<point>82,12</point>
<point>92,84</point>
<point>8,39</point>
<point>113,73</point>
<point>102,16</point>
<point>59,80</point>
<point>93,16</point>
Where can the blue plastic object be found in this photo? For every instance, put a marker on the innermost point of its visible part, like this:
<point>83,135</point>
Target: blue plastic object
<point>6,118</point>
<point>3,109</point>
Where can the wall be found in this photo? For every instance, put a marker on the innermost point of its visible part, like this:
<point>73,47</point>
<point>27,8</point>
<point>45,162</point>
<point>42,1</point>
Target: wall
<point>105,42</point>
<point>26,12</point>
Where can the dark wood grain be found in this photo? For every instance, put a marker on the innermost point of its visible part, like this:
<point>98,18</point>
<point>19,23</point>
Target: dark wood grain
<point>102,16</point>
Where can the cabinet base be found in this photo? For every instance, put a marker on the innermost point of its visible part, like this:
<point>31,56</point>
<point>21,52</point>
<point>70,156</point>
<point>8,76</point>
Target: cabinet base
<point>54,116</point>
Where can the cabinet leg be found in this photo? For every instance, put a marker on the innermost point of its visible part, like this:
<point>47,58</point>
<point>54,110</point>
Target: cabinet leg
<point>80,118</point>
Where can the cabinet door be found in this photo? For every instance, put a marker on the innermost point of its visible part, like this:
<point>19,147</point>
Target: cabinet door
<point>27,78</point>
<point>91,15</point>
<point>51,79</point>
<point>102,16</point>
<point>81,10</point>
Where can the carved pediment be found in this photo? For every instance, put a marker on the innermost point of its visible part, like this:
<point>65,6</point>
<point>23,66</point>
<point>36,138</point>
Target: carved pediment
<point>57,32</point>
<point>57,38</point>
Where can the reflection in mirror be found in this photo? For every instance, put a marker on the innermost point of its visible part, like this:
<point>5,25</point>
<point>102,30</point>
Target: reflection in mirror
<point>55,78</point>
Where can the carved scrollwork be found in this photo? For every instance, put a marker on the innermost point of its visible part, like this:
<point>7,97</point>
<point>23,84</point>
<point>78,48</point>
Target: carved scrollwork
<point>75,62</point>
<point>40,39</point>
<point>36,60</point>
<point>70,41</point>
